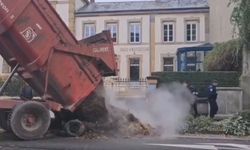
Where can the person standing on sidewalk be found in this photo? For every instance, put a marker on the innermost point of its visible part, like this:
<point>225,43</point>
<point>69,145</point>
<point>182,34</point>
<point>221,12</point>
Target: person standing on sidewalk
<point>212,97</point>
<point>193,91</point>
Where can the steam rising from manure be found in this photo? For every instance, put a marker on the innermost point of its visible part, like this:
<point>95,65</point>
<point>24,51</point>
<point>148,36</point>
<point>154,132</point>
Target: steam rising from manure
<point>165,108</point>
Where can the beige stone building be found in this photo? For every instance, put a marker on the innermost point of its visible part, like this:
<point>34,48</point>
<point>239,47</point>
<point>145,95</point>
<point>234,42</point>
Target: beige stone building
<point>220,26</point>
<point>66,9</point>
<point>147,34</point>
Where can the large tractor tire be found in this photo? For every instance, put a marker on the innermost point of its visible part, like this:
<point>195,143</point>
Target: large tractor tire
<point>30,120</point>
<point>5,120</point>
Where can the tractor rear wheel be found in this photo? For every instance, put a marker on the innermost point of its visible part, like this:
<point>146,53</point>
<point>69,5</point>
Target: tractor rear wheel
<point>30,120</point>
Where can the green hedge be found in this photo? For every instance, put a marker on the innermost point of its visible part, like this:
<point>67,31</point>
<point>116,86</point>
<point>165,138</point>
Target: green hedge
<point>199,79</point>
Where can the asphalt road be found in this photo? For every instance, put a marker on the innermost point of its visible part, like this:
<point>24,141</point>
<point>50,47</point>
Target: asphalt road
<point>8,142</point>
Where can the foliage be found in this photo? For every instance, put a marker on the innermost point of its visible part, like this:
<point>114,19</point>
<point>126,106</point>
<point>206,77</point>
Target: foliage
<point>225,56</point>
<point>238,125</point>
<point>13,88</point>
<point>202,125</point>
<point>241,19</point>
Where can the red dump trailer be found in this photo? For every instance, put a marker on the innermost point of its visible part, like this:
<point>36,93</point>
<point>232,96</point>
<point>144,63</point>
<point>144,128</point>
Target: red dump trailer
<point>65,72</point>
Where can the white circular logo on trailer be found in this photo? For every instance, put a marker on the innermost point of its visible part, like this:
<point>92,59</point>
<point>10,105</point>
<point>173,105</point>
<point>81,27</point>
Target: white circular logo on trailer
<point>29,34</point>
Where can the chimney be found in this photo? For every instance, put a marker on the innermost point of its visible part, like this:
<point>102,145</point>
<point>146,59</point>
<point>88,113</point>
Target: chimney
<point>92,1</point>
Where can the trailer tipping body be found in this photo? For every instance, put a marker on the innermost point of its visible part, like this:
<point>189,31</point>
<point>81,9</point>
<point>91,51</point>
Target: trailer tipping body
<point>52,61</point>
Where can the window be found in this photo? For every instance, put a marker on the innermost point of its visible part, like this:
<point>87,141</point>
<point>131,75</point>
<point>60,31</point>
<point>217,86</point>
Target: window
<point>168,64</point>
<point>199,56</point>
<point>113,28</point>
<point>6,68</point>
<point>168,32</point>
<point>191,67</point>
<point>191,31</point>
<point>135,32</point>
<point>191,61</point>
<point>191,58</point>
<point>199,67</point>
<point>89,30</point>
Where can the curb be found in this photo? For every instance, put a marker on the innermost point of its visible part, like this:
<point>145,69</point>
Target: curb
<point>214,137</point>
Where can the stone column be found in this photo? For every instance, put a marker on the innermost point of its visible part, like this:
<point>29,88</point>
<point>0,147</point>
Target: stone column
<point>245,79</point>
<point>72,15</point>
<point>152,43</point>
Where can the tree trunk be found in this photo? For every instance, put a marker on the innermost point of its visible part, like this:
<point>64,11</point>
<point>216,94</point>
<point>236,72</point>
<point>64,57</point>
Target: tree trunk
<point>245,78</point>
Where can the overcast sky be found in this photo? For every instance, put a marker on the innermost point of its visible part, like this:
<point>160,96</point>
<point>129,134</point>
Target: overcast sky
<point>119,0</point>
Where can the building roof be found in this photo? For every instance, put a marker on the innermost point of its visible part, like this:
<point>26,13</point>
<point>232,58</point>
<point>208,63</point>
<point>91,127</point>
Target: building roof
<point>202,47</point>
<point>143,6</point>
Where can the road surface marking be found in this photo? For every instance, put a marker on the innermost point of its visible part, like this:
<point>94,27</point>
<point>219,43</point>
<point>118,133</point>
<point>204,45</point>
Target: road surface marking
<point>245,147</point>
<point>205,147</point>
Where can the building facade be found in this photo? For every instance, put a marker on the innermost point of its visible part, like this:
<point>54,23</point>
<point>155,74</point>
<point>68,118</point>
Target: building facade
<point>66,9</point>
<point>220,26</point>
<point>146,34</point>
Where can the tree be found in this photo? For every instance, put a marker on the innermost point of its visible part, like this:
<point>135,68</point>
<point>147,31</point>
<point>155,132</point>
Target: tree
<point>226,56</point>
<point>241,20</point>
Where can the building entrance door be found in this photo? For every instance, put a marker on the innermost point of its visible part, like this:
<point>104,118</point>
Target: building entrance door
<point>134,69</point>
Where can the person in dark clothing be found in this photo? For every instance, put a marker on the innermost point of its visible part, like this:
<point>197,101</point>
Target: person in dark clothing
<point>192,90</point>
<point>212,96</point>
<point>195,93</point>
<point>26,92</point>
